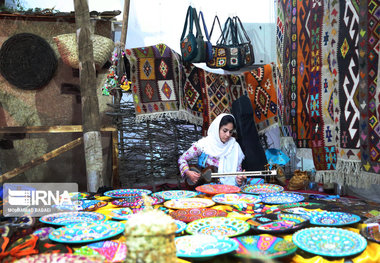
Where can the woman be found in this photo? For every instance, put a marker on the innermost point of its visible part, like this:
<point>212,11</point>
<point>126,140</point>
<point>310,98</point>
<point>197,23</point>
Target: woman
<point>218,149</point>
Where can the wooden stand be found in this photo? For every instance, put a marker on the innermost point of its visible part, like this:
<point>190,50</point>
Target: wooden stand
<point>115,181</point>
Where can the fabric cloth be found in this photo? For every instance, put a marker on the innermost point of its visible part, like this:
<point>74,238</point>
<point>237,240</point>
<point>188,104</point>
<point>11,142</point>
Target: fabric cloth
<point>226,156</point>
<point>247,135</point>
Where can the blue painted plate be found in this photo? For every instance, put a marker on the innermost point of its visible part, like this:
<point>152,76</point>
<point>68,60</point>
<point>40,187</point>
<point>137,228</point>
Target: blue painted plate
<point>218,226</point>
<point>175,194</point>
<point>181,226</point>
<point>126,193</point>
<point>328,218</point>
<point>235,199</point>
<point>204,246</point>
<point>262,189</point>
<point>329,241</point>
<point>121,213</point>
<point>87,232</point>
<point>67,218</point>
<point>281,198</point>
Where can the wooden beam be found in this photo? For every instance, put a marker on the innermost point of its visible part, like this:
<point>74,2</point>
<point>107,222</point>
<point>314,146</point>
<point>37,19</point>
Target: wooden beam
<point>52,129</point>
<point>41,159</point>
<point>124,28</point>
<point>90,106</point>
<point>115,181</point>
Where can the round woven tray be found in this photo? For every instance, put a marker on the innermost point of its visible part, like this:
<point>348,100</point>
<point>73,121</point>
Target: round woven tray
<point>27,61</point>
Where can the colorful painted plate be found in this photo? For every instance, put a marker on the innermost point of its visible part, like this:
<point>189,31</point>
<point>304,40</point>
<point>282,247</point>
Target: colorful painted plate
<point>58,257</point>
<point>126,193</point>
<point>79,195</point>
<point>262,189</point>
<point>138,203</point>
<point>218,226</point>
<point>204,246</point>
<point>371,232</point>
<point>191,214</point>
<point>214,189</point>
<point>121,213</point>
<point>175,194</point>
<point>87,232</point>
<point>281,198</point>
<point>234,199</point>
<point>329,241</point>
<point>263,246</point>
<point>67,218</point>
<point>188,203</point>
<point>82,205</point>
<point>181,226</point>
<point>278,223</point>
<point>332,218</point>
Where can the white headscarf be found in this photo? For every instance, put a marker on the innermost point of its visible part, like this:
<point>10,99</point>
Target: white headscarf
<point>230,154</point>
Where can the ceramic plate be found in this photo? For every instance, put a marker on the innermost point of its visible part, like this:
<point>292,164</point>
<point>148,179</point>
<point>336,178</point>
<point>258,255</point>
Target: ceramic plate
<point>329,241</point>
<point>138,203</point>
<point>175,194</point>
<point>79,195</point>
<point>191,214</point>
<point>281,198</point>
<point>58,257</point>
<point>332,218</point>
<point>67,218</point>
<point>121,213</point>
<point>87,232</point>
<point>82,205</point>
<point>278,223</point>
<point>218,226</point>
<point>262,189</point>
<point>181,226</point>
<point>188,203</point>
<point>371,232</point>
<point>214,189</point>
<point>203,246</point>
<point>234,199</point>
<point>125,193</point>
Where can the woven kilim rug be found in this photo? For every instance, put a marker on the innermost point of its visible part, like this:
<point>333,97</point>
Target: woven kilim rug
<point>280,60</point>
<point>263,95</point>
<point>155,80</point>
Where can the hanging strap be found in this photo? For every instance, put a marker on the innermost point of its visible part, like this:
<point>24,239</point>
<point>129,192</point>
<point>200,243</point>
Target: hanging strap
<point>239,25</point>
<point>196,21</point>
<point>204,25</point>
<point>189,16</point>
<point>216,18</point>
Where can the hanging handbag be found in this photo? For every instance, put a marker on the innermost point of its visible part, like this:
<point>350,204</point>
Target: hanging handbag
<point>189,49</point>
<point>208,44</point>
<point>248,53</point>
<point>219,54</point>
<point>234,51</point>
<point>201,45</point>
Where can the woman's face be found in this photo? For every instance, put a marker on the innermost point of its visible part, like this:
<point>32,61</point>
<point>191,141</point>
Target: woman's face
<point>225,132</point>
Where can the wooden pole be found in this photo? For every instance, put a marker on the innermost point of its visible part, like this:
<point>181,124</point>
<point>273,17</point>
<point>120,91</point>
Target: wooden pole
<point>124,28</point>
<point>90,107</point>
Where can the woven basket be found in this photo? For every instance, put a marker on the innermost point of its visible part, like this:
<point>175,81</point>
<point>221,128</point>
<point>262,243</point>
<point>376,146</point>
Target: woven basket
<point>27,61</point>
<point>68,49</point>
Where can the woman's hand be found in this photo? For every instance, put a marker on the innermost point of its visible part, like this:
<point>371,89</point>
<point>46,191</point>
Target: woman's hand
<point>193,176</point>
<point>240,179</point>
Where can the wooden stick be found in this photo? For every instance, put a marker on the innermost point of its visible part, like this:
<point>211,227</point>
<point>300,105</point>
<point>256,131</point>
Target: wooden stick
<point>41,159</point>
<point>249,173</point>
<point>124,27</point>
<point>51,129</point>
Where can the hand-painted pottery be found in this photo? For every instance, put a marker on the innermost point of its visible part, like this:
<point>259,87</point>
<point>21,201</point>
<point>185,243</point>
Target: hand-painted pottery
<point>371,232</point>
<point>263,246</point>
<point>191,214</point>
<point>308,205</point>
<point>79,195</point>
<point>67,218</point>
<point>126,193</point>
<point>278,223</point>
<point>82,205</point>
<point>281,198</point>
<point>234,199</point>
<point>58,257</point>
<point>113,251</point>
<point>87,232</point>
<point>139,203</point>
<point>329,241</point>
<point>214,189</point>
<point>181,226</point>
<point>43,233</point>
<point>175,194</point>
<point>262,189</point>
<point>296,210</point>
<point>203,246</point>
<point>188,203</point>
<point>332,218</point>
<point>121,213</point>
<point>218,226</point>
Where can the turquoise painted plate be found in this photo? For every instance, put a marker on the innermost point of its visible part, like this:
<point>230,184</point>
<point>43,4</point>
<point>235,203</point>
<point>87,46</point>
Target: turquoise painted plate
<point>262,189</point>
<point>175,194</point>
<point>281,198</point>
<point>121,213</point>
<point>332,218</point>
<point>126,193</point>
<point>181,226</point>
<point>263,246</point>
<point>204,246</point>
<point>235,199</point>
<point>67,218</point>
<point>218,226</point>
<point>329,241</point>
<point>87,232</point>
